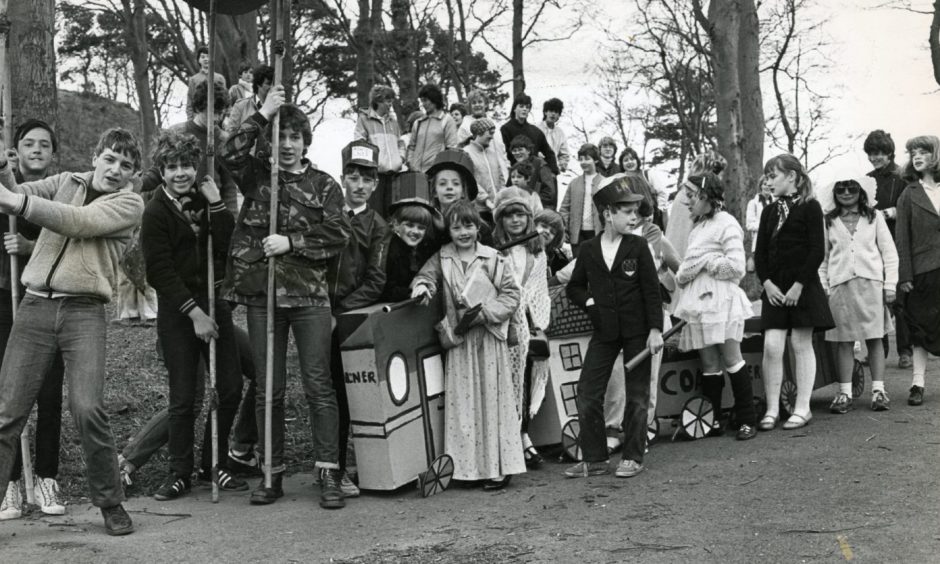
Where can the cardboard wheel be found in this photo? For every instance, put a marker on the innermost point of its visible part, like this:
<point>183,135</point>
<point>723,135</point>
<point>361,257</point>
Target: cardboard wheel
<point>437,477</point>
<point>652,431</point>
<point>858,379</point>
<point>697,417</point>
<point>788,396</point>
<point>571,439</point>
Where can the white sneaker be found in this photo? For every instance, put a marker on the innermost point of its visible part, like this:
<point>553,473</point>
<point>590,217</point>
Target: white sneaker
<point>348,487</point>
<point>46,491</point>
<point>12,505</point>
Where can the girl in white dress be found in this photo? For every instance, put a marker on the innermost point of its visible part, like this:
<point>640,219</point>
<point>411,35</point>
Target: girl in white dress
<point>711,302</point>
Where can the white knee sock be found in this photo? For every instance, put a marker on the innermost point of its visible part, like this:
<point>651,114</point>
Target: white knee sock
<point>805,377</point>
<point>919,359</point>
<point>877,386</point>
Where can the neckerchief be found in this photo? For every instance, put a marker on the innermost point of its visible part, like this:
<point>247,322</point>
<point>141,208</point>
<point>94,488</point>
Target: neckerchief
<point>784,205</point>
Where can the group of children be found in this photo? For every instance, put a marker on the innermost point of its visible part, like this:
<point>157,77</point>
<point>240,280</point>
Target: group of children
<point>825,260</point>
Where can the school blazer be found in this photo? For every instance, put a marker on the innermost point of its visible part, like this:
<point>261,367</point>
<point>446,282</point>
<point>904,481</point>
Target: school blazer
<point>627,301</point>
<point>572,207</point>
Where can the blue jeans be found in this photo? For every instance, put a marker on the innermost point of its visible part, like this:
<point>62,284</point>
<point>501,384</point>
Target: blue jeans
<point>312,328</point>
<point>76,328</point>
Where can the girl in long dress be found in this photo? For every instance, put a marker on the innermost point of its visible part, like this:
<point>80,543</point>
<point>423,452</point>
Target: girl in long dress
<point>481,429</point>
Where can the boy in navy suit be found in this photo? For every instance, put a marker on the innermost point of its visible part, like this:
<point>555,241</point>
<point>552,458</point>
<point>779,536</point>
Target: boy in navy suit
<point>615,282</point>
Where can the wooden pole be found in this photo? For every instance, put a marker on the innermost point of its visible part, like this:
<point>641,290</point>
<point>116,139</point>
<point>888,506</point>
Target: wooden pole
<point>6,101</point>
<point>277,49</point>
<point>210,169</point>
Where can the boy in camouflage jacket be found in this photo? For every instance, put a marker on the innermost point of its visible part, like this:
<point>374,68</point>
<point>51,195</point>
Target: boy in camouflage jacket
<point>311,228</point>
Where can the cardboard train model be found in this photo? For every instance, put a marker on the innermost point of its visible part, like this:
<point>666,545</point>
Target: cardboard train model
<point>394,374</point>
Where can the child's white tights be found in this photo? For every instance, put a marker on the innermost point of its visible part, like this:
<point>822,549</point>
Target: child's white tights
<point>801,343</point>
<point>919,360</point>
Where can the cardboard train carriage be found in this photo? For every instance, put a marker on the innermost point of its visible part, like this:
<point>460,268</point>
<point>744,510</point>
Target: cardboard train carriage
<point>679,401</point>
<point>394,373</point>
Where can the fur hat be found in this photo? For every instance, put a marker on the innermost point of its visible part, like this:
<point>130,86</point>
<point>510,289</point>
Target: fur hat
<point>509,196</point>
<point>827,198</point>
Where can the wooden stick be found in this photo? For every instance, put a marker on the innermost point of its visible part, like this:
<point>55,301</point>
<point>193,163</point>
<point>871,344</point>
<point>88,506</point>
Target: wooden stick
<point>388,308</point>
<point>635,361</point>
<point>210,169</point>
<point>278,51</point>
<point>6,101</point>
<point>519,241</point>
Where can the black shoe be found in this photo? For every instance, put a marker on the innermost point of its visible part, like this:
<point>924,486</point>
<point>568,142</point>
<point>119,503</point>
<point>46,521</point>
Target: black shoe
<point>227,481</point>
<point>917,395</point>
<point>746,432</point>
<point>331,494</point>
<point>497,483</point>
<point>173,488</point>
<point>116,521</point>
<point>267,496</point>
<point>532,457</point>
<point>243,464</point>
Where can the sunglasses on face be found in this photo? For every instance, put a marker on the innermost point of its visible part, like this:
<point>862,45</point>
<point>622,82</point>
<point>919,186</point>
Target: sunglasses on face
<point>845,190</point>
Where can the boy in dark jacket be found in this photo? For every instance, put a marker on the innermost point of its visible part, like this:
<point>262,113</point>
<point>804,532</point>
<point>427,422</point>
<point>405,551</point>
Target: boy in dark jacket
<point>880,150</point>
<point>357,275</point>
<point>311,229</point>
<point>174,237</point>
<point>615,282</point>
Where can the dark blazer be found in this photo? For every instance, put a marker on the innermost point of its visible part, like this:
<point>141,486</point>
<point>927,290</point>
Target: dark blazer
<point>627,302</point>
<point>357,275</point>
<point>889,186</point>
<point>917,235</point>
<point>176,256</point>
<point>795,253</point>
<point>402,263</point>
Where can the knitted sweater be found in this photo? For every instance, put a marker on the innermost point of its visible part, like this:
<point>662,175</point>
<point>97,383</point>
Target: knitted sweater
<point>869,253</point>
<point>716,246</point>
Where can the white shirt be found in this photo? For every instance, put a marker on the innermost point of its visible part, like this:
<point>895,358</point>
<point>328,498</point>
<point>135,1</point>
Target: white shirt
<point>587,211</point>
<point>609,250</point>
<point>356,211</point>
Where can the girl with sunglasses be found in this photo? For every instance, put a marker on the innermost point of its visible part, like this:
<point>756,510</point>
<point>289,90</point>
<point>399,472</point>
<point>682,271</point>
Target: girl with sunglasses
<point>860,274</point>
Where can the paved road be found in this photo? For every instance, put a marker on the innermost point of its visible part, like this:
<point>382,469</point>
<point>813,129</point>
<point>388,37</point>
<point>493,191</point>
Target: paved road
<point>862,486</point>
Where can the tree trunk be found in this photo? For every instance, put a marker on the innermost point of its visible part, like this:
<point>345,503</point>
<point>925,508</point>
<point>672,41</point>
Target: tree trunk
<point>935,41</point>
<point>403,41</point>
<point>733,32</point>
<point>237,43</point>
<point>31,56</point>
<point>518,70</point>
<point>135,33</point>
<point>365,56</point>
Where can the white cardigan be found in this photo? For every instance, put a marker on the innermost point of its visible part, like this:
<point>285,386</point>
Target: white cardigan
<point>869,254</point>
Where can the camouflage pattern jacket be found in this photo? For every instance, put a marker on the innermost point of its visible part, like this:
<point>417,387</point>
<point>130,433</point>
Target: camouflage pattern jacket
<point>310,214</point>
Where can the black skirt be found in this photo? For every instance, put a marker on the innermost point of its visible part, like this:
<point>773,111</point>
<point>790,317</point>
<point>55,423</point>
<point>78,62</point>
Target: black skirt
<point>921,311</point>
<point>812,310</point>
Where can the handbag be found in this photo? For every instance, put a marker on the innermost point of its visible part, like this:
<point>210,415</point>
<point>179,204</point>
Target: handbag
<point>538,341</point>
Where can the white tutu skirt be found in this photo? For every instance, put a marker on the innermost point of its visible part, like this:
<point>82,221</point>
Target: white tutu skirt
<point>714,311</point>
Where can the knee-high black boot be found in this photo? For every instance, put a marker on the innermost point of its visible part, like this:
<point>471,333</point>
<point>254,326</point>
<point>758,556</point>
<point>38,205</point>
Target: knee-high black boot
<point>743,397</point>
<point>712,387</point>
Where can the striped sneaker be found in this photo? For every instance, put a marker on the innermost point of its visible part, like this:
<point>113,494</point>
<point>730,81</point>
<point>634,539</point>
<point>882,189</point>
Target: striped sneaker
<point>173,488</point>
<point>227,481</point>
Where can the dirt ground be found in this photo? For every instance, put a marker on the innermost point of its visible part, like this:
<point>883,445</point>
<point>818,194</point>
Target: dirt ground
<point>857,487</point>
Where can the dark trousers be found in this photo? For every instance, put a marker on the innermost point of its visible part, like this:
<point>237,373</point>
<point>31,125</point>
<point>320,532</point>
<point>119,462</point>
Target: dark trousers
<point>48,405</point>
<point>182,351</point>
<point>342,402</point>
<point>903,337</point>
<point>592,385</point>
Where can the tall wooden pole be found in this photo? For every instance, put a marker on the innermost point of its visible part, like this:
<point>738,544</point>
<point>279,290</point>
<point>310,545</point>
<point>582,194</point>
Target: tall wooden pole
<point>277,48</point>
<point>210,169</point>
<point>6,101</point>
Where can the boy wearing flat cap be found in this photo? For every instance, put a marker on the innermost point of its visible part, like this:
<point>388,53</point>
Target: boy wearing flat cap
<point>615,282</point>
